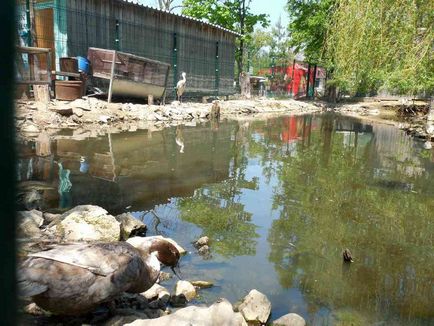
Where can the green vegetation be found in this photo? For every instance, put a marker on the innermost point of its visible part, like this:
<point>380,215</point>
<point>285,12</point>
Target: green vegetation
<point>231,14</point>
<point>369,46</point>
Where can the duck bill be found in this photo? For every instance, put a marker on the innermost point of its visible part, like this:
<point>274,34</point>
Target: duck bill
<point>177,271</point>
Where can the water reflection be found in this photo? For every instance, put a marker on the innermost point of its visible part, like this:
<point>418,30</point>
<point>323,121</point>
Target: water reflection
<point>280,198</point>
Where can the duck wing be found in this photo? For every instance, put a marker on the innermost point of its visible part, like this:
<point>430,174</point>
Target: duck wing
<point>99,258</point>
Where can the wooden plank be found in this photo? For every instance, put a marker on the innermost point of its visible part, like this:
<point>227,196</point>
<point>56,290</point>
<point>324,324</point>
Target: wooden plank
<point>41,93</point>
<point>112,75</point>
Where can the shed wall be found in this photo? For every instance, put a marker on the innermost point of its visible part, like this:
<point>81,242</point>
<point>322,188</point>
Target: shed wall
<point>204,52</point>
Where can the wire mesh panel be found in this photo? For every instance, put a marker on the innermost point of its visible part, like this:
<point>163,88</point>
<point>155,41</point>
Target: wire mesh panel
<point>205,53</point>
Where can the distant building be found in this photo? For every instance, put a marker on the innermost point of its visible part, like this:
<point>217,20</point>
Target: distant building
<point>206,52</point>
<point>292,79</point>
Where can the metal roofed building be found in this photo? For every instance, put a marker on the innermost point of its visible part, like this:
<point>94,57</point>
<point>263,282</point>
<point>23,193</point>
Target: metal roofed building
<point>206,52</point>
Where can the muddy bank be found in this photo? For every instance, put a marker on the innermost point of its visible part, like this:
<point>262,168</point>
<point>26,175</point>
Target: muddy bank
<point>411,116</point>
<point>93,117</point>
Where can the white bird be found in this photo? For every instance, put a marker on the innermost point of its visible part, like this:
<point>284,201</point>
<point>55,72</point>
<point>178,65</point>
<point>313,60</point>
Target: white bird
<point>180,87</point>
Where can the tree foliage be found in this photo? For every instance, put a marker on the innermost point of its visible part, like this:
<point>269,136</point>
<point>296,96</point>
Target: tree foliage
<point>309,21</point>
<point>388,45</point>
<point>235,15</point>
<point>369,46</point>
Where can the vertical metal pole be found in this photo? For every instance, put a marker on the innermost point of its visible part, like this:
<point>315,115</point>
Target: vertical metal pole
<point>308,80</point>
<point>112,76</point>
<point>117,41</point>
<point>29,24</point>
<point>292,79</point>
<point>175,61</point>
<point>314,80</point>
<point>217,70</point>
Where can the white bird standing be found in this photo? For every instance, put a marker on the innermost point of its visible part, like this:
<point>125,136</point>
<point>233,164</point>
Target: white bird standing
<point>180,86</point>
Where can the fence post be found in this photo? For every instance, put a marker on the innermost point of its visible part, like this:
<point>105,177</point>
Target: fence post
<point>175,61</point>
<point>308,81</point>
<point>314,80</point>
<point>217,69</point>
<point>29,24</point>
<point>117,41</point>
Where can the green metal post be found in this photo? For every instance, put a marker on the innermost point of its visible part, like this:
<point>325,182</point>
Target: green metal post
<point>217,69</point>
<point>175,61</point>
<point>29,24</point>
<point>117,41</point>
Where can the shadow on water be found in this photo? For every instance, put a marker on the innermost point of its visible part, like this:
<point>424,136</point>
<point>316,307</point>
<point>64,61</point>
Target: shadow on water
<point>280,199</point>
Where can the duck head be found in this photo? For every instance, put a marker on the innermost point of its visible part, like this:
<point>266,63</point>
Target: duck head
<point>166,253</point>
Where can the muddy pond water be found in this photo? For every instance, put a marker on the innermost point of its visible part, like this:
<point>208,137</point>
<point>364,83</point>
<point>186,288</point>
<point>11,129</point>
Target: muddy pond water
<point>280,199</point>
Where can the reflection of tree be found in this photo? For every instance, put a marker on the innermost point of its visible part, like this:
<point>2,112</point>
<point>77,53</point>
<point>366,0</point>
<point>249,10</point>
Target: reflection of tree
<point>216,208</point>
<point>327,202</point>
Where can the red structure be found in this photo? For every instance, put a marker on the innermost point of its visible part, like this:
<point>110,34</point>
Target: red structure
<point>292,79</point>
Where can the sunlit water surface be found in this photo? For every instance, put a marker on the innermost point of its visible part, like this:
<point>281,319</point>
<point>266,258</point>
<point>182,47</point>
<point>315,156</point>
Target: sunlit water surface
<point>280,199</point>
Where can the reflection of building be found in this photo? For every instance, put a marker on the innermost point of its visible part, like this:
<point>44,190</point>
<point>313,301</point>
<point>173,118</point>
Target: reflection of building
<point>133,169</point>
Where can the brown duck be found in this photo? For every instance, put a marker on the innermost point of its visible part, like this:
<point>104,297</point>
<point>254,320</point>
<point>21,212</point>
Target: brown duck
<point>346,255</point>
<point>75,279</point>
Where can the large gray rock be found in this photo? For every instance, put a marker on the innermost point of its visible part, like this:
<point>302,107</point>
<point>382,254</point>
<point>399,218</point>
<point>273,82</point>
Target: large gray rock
<point>255,307</point>
<point>130,226</point>
<point>88,223</point>
<point>29,223</point>
<point>220,313</point>
<point>290,320</point>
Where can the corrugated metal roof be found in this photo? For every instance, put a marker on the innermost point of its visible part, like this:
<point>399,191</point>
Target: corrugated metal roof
<point>183,16</point>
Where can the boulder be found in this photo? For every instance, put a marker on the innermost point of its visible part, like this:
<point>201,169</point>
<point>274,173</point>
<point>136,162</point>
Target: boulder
<point>88,223</point>
<point>130,226</point>
<point>220,313</point>
<point>255,307</point>
<point>29,223</point>
<point>290,320</point>
<point>185,288</point>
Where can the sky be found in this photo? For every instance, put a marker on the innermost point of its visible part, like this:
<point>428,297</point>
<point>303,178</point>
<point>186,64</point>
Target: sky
<point>274,8</point>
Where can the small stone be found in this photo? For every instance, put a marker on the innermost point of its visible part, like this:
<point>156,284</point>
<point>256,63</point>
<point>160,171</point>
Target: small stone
<point>202,284</point>
<point>130,226</point>
<point>34,309</point>
<point>165,276</point>
<point>202,241</point>
<point>255,307</point>
<point>290,320</point>
<point>204,250</point>
<point>185,288</point>
<point>158,296</point>
<point>78,112</point>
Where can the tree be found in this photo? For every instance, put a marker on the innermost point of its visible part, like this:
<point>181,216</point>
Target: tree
<point>167,5</point>
<point>231,14</point>
<point>382,45</point>
<point>280,46</point>
<point>309,21</point>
